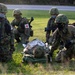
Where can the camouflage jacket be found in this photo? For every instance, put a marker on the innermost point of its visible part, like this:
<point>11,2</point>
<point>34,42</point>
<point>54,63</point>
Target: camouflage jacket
<point>60,36</point>
<point>51,25</point>
<point>5,30</point>
<point>22,25</point>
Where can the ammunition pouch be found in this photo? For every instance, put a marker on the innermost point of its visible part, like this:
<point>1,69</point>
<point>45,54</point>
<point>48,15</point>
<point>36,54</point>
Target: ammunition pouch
<point>31,32</point>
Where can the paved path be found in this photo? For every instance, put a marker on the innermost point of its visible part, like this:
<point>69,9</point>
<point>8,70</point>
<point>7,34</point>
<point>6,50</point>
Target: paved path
<point>41,7</point>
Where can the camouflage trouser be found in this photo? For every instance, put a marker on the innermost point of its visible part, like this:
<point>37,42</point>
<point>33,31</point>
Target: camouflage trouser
<point>65,54</point>
<point>24,39</point>
<point>5,53</point>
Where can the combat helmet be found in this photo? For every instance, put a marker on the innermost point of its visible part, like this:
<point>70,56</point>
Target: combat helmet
<point>16,12</point>
<point>61,18</point>
<point>3,8</point>
<point>54,11</point>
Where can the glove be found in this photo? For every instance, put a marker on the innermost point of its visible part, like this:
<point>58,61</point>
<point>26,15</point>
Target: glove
<point>68,43</point>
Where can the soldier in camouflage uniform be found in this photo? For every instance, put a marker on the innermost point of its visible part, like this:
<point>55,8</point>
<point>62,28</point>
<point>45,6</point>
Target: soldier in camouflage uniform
<point>6,45</point>
<point>51,25</point>
<point>66,34</point>
<point>21,27</point>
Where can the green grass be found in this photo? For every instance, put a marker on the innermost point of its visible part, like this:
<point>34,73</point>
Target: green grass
<point>15,67</point>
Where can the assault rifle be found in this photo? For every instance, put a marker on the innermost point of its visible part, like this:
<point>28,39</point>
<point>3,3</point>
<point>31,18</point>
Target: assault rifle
<point>31,31</point>
<point>31,21</point>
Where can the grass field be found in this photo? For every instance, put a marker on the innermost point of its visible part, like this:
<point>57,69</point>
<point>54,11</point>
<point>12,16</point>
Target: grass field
<point>15,67</point>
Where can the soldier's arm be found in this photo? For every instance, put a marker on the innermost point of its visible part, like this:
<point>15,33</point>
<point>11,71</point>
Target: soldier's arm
<point>7,28</point>
<point>8,25</point>
<point>55,40</point>
<point>48,28</point>
<point>13,23</point>
<point>73,34</point>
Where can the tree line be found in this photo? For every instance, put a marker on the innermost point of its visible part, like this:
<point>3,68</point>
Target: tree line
<point>40,2</point>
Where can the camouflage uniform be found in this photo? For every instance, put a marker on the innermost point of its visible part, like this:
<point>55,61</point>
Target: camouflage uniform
<point>51,25</point>
<point>66,34</point>
<point>6,45</point>
<point>21,27</point>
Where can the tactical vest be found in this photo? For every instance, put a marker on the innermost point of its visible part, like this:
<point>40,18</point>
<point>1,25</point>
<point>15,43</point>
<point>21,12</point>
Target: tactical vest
<point>22,26</point>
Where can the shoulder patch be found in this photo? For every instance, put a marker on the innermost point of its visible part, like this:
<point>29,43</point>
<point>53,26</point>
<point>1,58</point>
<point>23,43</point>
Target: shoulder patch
<point>26,25</point>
